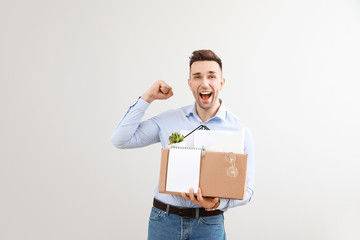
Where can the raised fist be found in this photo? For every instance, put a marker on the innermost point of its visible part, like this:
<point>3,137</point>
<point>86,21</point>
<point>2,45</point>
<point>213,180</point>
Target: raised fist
<point>159,90</point>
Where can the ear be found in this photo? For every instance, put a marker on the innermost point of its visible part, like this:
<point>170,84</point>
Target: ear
<point>189,83</point>
<point>222,83</point>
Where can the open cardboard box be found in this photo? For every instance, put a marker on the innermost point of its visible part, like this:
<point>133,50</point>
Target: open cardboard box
<point>216,179</point>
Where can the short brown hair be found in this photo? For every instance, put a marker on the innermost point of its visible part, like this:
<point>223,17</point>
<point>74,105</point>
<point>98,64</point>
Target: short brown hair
<point>204,55</point>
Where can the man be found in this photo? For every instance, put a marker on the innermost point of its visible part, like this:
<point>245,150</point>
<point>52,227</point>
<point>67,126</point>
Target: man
<point>186,216</point>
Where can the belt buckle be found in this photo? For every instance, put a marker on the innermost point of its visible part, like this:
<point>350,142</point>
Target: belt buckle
<point>181,212</point>
<point>184,212</point>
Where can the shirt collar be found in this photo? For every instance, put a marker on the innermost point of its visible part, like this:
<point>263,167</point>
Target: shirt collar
<point>221,113</point>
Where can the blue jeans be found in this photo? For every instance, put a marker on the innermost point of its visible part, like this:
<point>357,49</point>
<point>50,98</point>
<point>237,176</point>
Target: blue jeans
<point>167,226</point>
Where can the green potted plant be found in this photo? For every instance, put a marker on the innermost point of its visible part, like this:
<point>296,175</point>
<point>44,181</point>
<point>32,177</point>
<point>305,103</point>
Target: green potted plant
<point>176,139</point>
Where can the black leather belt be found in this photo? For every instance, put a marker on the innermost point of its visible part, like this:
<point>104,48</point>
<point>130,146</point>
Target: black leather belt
<point>185,212</point>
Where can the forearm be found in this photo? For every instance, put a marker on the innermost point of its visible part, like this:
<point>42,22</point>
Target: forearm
<point>131,132</point>
<point>226,203</point>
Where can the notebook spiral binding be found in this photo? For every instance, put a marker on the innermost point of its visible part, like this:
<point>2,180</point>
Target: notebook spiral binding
<point>192,148</point>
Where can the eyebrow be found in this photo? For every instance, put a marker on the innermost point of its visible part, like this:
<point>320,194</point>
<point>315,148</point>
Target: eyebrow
<point>211,72</point>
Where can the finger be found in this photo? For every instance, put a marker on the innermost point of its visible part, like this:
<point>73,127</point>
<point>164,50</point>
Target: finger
<point>199,195</point>
<point>165,89</point>
<point>162,95</point>
<point>215,200</point>
<point>191,194</point>
<point>185,196</point>
<point>203,200</point>
<point>169,94</point>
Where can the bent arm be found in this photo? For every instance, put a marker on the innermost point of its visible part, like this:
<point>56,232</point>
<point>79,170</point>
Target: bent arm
<point>131,132</point>
<point>226,203</point>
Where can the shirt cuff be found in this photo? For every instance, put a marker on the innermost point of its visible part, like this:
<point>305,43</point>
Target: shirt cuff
<point>141,104</point>
<point>222,204</point>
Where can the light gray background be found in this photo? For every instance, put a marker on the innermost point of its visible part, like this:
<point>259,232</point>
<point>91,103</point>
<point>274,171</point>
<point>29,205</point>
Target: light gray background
<point>70,69</point>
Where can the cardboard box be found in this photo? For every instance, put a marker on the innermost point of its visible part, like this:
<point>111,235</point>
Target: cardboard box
<point>219,177</point>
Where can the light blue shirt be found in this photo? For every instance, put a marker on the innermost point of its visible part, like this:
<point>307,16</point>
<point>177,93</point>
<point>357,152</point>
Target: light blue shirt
<point>131,132</point>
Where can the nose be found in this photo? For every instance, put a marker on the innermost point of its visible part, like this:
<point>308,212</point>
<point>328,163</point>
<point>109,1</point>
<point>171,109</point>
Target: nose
<point>205,82</point>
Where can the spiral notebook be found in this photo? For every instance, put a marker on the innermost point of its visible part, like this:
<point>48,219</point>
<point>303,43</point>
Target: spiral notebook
<point>183,171</point>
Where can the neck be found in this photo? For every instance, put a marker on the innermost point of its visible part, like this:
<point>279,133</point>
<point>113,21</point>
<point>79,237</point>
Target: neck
<point>206,114</point>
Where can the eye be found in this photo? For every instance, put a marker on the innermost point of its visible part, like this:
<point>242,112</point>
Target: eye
<point>212,76</point>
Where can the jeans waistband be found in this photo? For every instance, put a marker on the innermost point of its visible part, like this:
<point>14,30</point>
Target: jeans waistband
<point>185,212</point>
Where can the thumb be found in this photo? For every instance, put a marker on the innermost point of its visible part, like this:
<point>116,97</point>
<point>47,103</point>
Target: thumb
<point>164,89</point>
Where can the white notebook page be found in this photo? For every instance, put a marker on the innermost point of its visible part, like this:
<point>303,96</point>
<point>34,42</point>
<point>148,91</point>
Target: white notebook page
<point>183,170</point>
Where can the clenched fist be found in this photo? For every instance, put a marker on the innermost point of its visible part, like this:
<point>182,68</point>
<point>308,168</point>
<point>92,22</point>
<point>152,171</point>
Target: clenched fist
<point>159,90</point>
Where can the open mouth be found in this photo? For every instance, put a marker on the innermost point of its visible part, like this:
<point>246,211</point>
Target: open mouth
<point>205,95</point>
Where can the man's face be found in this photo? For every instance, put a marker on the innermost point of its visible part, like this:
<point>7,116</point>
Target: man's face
<point>206,82</point>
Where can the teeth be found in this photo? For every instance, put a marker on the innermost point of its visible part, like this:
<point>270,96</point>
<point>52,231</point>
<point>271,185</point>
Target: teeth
<point>205,93</point>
